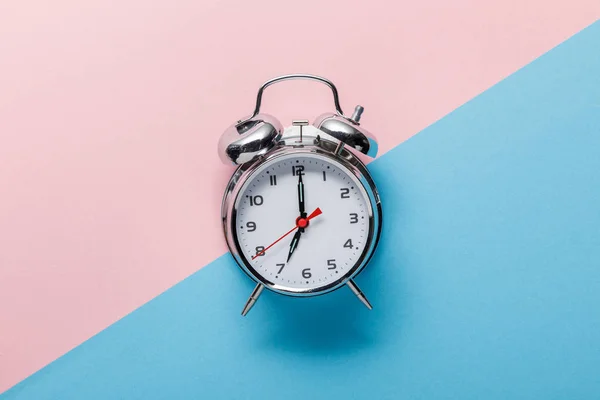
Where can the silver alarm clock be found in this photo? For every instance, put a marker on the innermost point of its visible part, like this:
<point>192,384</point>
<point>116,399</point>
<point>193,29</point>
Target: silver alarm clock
<point>301,214</point>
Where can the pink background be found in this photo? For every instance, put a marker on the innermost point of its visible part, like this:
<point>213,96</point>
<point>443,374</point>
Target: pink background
<point>109,117</point>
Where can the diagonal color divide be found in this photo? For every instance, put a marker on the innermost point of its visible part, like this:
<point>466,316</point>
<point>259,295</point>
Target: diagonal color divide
<point>109,116</point>
<point>485,284</point>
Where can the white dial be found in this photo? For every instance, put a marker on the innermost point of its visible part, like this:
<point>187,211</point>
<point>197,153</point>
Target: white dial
<point>302,221</point>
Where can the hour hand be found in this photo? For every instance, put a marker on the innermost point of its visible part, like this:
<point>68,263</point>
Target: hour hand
<point>294,244</point>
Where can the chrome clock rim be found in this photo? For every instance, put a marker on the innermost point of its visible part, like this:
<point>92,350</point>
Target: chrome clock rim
<point>323,148</point>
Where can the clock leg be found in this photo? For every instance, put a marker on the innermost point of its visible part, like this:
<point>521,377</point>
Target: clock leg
<point>252,299</point>
<point>361,296</point>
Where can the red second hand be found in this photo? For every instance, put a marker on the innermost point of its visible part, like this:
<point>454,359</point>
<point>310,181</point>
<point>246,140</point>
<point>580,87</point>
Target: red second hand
<point>315,213</point>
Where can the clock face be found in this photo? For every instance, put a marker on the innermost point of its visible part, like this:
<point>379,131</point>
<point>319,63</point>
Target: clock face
<point>302,222</point>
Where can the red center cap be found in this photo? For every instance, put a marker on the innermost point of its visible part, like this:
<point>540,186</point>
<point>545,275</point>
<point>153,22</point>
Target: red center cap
<point>302,222</point>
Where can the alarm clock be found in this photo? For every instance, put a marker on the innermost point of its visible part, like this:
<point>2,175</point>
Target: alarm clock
<point>301,214</point>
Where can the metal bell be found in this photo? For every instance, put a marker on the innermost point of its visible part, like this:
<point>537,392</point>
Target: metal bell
<point>246,140</point>
<point>348,131</point>
<point>253,137</point>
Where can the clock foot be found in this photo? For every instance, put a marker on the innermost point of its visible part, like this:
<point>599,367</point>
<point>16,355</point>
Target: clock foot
<point>252,299</point>
<point>356,290</point>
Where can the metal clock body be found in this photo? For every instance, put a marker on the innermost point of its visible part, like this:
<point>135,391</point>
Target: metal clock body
<point>338,184</point>
<point>301,214</point>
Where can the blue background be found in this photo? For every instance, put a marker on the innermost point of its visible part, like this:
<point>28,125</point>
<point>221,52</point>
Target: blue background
<point>486,283</point>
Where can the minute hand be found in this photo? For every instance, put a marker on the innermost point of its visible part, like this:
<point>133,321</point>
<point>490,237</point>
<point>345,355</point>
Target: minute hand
<point>301,196</point>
